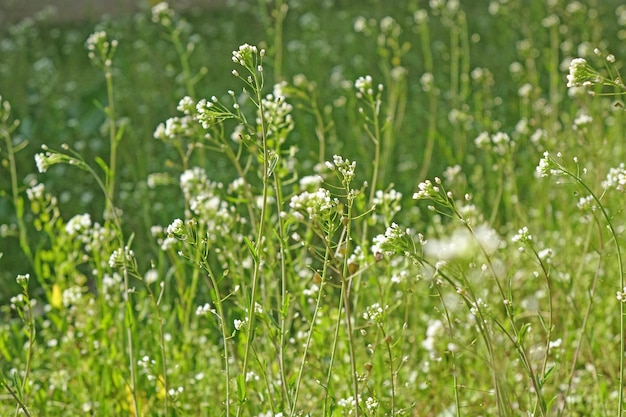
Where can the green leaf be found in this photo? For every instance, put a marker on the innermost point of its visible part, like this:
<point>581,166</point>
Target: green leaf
<point>102,164</point>
<point>522,332</point>
<point>4,350</point>
<point>250,246</point>
<point>272,164</point>
<point>241,389</point>
<point>546,375</point>
<point>120,132</point>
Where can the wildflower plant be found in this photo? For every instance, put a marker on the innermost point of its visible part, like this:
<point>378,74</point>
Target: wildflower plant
<point>278,268</point>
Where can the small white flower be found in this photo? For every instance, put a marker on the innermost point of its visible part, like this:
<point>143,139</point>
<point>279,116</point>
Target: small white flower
<point>177,228</point>
<point>581,73</point>
<point>205,309</point>
<point>616,178</point>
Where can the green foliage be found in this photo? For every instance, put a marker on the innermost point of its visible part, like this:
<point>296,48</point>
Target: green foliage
<point>194,225</point>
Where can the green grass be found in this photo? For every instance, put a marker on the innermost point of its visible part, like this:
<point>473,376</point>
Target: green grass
<point>260,253</point>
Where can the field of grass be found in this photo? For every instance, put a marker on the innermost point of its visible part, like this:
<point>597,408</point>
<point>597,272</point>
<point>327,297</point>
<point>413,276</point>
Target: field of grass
<point>315,208</point>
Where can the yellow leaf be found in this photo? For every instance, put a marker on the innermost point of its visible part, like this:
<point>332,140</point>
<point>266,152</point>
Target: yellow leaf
<point>56,298</point>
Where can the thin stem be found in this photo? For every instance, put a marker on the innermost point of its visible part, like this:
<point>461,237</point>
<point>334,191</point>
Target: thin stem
<point>18,202</point>
<point>333,351</point>
<point>586,315</point>
<point>129,322</point>
<point>432,100</point>
<point>280,12</point>
<point>455,382</point>
<point>283,289</point>
<point>157,302</point>
<point>258,246</point>
<point>622,309</point>
<point>222,319</point>
<point>29,355</point>
<point>113,139</point>
<point>183,57</point>
<point>392,372</point>
<point>345,284</point>
<point>20,403</point>
<point>307,345</point>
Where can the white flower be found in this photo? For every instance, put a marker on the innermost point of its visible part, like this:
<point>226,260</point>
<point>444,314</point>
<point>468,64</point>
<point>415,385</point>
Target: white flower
<point>78,223</point>
<point>177,228</point>
<point>581,73</point>
<point>36,192</point>
<point>72,295</point>
<point>310,181</point>
<point>151,276</point>
<point>121,257</point>
<point>616,178</point>
<point>582,121</point>
<point>205,309</point>
<point>373,312</point>
<point>315,204</point>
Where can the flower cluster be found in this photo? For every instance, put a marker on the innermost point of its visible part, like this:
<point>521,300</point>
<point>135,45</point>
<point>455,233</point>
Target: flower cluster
<point>364,87</point>
<point>434,332</point>
<point>205,309</point>
<point>212,111</point>
<point>205,200</point>
<point>387,204</point>
<point>547,166</point>
<point>174,128</point>
<point>374,313</point>
<point>389,242</point>
<point>72,295</point>
<point>44,160</point>
<point>121,257</point>
<point>522,236</point>
<point>22,280</point>
<point>316,204</point>
<point>582,121</point>
<point>587,203</point>
<point>462,244</point>
<point>177,229</point>
<point>247,56</point>
<point>427,190</point>
<point>478,306</point>
<point>112,288</point>
<point>345,168</point>
<point>101,51</point>
<point>427,80</point>
<point>241,325</point>
<point>276,114</point>
<point>616,178</point>
<point>581,74</point>
<point>162,13</point>
<point>36,192</point>
<point>78,224</point>
<point>499,143</point>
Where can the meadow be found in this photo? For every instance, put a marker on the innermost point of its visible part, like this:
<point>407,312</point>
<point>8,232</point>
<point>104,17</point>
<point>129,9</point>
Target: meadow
<point>315,208</point>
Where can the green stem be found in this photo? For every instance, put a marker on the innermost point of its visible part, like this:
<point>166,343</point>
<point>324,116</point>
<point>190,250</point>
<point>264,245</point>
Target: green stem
<point>222,319</point>
<point>432,106</point>
<point>183,56</point>
<point>622,310</point>
<point>20,403</point>
<point>258,245</point>
<point>346,280</point>
<point>18,202</point>
<point>113,139</point>
<point>307,345</point>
